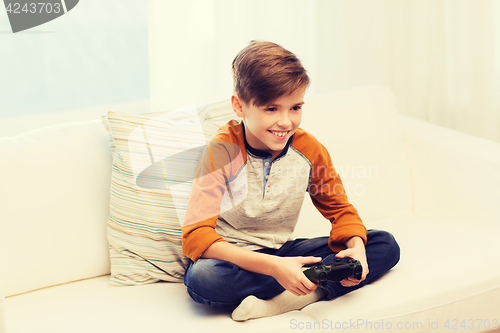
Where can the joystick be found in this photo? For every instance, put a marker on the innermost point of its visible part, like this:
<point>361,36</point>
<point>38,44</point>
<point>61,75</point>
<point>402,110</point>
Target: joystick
<point>336,271</point>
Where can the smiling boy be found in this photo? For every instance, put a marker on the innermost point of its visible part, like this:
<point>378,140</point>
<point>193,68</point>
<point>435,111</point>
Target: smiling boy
<point>269,127</point>
<point>239,240</point>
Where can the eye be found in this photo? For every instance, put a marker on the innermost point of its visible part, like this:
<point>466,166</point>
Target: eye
<point>271,109</point>
<point>297,108</point>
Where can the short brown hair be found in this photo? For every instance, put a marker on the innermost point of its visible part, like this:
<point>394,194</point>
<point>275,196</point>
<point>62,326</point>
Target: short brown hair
<point>264,71</point>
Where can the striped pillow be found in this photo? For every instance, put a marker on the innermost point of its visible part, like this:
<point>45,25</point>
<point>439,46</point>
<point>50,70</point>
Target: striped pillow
<point>154,158</point>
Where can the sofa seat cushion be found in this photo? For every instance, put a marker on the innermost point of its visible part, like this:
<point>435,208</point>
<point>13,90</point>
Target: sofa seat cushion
<point>94,306</point>
<point>446,272</point>
<point>441,276</point>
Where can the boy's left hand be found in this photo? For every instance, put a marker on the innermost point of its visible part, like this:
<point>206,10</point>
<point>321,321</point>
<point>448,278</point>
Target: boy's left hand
<point>355,250</point>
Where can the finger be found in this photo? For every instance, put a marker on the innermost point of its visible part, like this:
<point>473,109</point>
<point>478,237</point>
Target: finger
<point>311,260</point>
<point>344,253</point>
<point>345,283</point>
<point>309,290</point>
<point>349,283</point>
<point>300,289</point>
<point>301,292</point>
<point>309,286</point>
<point>306,286</point>
<point>365,273</point>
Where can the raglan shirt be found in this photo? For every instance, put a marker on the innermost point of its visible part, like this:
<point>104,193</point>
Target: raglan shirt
<point>242,196</point>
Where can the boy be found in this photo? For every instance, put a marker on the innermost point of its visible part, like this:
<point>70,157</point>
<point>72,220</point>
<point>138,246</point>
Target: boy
<point>247,195</point>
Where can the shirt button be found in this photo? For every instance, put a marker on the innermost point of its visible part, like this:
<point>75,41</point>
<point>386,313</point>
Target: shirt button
<point>266,164</point>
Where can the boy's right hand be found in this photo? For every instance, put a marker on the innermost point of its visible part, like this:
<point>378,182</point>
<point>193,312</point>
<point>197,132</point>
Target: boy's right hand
<point>288,272</point>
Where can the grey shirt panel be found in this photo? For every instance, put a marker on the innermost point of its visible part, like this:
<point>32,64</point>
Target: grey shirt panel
<point>267,209</point>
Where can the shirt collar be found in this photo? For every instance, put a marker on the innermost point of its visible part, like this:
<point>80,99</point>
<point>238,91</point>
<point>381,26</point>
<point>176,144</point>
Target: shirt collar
<point>262,153</point>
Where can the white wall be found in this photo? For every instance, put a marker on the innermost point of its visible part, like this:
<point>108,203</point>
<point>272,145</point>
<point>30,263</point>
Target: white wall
<point>97,53</point>
<point>441,57</point>
<point>193,43</point>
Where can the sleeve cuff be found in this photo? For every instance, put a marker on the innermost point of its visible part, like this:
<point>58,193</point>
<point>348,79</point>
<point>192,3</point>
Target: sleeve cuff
<point>193,249</point>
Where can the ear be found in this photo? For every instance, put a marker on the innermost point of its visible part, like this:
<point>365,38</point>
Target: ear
<point>237,106</point>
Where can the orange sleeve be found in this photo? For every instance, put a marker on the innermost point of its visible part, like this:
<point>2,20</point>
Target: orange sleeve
<point>329,197</point>
<point>219,162</point>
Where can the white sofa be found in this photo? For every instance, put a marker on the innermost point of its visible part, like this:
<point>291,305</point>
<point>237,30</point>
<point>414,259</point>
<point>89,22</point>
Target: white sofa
<point>436,190</point>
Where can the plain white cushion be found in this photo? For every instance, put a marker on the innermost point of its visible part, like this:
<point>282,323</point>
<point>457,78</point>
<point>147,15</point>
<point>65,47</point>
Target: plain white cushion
<point>453,172</point>
<point>360,129</point>
<point>54,204</point>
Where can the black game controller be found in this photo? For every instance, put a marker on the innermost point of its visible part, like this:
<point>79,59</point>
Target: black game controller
<point>336,271</point>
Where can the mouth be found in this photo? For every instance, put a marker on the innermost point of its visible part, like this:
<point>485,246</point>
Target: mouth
<point>280,134</point>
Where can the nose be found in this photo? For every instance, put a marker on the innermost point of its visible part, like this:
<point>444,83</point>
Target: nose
<point>284,120</point>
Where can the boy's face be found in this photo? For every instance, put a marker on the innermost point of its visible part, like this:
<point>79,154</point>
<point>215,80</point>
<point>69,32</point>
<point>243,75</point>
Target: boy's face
<point>269,127</point>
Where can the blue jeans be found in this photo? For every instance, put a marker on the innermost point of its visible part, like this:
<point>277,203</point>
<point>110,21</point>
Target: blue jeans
<point>220,283</point>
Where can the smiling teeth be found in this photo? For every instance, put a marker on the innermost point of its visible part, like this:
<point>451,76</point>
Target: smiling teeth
<point>279,133</point>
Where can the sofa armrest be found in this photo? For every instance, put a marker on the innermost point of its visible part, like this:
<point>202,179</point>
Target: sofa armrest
<point>2,310</point>
<point>453,173</point>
